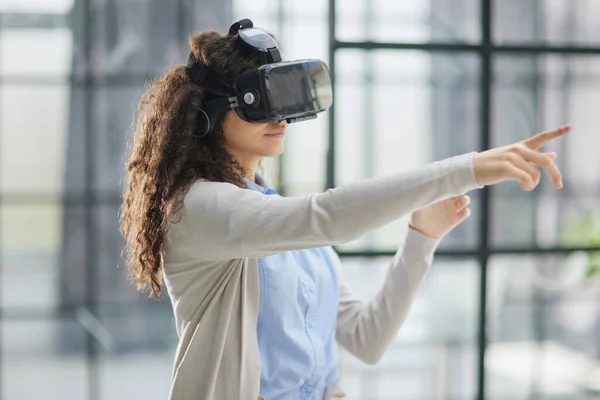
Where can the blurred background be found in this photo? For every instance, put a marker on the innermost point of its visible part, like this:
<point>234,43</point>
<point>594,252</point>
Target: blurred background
<point>511,306</point>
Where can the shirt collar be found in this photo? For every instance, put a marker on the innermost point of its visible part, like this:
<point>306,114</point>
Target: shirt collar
<point>260,185</point>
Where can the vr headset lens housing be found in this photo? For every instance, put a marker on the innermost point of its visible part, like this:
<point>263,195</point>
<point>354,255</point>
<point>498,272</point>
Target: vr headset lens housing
<point>292,91</point>
<point>296,89</point>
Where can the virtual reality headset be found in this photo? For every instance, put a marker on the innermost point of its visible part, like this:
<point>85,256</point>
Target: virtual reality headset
<point>289,91</point>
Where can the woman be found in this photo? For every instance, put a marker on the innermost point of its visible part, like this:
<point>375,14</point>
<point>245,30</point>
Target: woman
<point>258,294</point>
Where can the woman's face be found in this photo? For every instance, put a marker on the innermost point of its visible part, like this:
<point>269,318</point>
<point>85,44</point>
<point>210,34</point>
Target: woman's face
<point>247,141</point>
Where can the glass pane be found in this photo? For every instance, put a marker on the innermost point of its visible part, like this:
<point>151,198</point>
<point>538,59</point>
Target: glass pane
<point>137,349</point>
<point>391,119</point>
<point>547,21</point>
<point>544,324</point>
<point>43,359</point>
<point>303,38</point>
<point>41,140</point>
<point>408,21</point>
<point>134,37</point>
<point>42,256</point>
<point>259,8</point>
<point>531,94</point>
<point>113,119</point>
<point>310,9</point>
<point>303,163</point>
<point>217,15</point>
<point>435,351</point>
<point>52,45</point>
<point>36,6</point>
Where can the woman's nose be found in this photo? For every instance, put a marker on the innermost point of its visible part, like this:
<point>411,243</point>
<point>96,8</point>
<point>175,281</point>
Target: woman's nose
<point>281,124</point>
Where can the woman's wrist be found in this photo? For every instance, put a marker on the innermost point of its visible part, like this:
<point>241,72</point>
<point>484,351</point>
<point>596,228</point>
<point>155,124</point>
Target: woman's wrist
<point>411,226</point>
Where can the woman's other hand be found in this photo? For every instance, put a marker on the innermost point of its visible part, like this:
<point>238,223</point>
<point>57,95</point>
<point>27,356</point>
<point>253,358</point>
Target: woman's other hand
<point>519,161</point>
<point>438,219</point>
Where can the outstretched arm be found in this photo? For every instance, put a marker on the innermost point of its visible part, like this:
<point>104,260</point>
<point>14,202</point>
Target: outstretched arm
<point>222,221</point>
<point>225,222</point>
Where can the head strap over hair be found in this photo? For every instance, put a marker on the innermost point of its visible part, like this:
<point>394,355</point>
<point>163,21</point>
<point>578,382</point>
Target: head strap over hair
<point>203,77</point>
<point>227,99</point>
<point>271,51</point>
<point>241,24</point>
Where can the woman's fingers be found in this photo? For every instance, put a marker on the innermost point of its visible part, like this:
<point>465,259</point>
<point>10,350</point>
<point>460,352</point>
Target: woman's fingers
<point>461,201</point>
<point>514,162</point>
<point>537,141</point>
<point>465,201</point>
<point>517,174</point>
<point>543,161</point>
<point>464,213</point>
<point>517,159</point>
<point>461,204</point>
<point>552,156</point>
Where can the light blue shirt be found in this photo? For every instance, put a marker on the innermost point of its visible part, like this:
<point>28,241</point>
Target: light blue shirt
<point>296,322</point>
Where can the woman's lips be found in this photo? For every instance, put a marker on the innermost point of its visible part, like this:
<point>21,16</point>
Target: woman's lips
<point>279,134</point>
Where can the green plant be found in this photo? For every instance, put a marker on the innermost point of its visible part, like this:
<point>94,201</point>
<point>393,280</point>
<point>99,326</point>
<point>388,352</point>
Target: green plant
<point>585,231</point>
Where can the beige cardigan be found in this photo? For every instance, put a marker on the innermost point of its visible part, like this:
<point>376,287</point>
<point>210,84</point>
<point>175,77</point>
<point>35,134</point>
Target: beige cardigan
<point>211,271</point>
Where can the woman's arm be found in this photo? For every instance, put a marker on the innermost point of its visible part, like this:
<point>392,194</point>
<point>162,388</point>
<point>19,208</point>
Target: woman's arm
<point>366,329</point>
<point>221,221</point>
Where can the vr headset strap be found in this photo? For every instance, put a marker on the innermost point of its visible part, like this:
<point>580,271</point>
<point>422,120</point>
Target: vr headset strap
<point>203,77</point>
<point>212,108</point>
<point>273,54</point>
<point>241,24</point>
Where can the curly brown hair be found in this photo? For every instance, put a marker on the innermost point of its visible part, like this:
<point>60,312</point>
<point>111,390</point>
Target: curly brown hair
<point>167,154</point>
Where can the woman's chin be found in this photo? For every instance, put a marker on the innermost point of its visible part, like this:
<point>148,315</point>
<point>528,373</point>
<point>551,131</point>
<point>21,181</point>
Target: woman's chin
<point>273,151</point>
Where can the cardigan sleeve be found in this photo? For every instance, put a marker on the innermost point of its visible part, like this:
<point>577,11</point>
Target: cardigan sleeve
<point>222,221</point>
<point>366,329</point>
